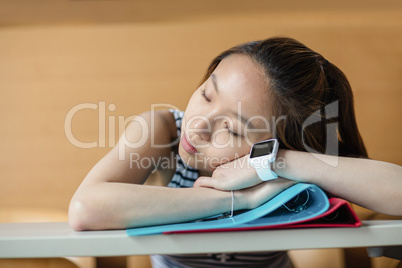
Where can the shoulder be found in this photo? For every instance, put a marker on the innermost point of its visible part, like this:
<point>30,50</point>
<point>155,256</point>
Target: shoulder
<point>167,120</point>
<point>157,125</point>
<point>165,131</point>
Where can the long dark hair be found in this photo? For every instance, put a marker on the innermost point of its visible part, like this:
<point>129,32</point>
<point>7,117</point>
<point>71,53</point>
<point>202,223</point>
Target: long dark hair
<point>306,88</point>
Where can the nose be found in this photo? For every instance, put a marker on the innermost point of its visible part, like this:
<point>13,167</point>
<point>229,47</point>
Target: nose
<point>202,127</point>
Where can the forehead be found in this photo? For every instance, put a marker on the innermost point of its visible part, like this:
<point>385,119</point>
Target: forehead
<point>241,67</point>
<point>242,80</point>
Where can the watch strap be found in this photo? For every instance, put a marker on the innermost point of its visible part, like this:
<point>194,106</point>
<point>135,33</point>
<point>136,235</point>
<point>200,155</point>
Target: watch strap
<point>266,174</point>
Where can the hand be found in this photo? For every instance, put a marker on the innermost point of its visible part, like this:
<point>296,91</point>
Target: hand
<point>233,175</point>
<point>257,195</point>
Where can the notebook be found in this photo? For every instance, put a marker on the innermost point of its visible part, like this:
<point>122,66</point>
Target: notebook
<point>299,206</point>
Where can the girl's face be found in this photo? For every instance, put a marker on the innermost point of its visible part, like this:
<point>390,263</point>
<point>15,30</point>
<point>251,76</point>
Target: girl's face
<point>226,114</point>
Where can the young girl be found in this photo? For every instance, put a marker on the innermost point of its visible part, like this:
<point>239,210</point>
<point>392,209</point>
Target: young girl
<point>274,88</point>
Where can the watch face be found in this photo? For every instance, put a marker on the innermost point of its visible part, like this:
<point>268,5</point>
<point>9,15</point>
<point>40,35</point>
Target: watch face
<point>262,148</point>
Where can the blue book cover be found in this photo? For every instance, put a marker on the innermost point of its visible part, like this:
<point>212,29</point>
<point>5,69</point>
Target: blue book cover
<point>295,204</point>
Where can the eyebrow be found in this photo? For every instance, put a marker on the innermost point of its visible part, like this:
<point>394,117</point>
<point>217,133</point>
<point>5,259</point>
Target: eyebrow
<point>241,118</point>
<point>214,83</point>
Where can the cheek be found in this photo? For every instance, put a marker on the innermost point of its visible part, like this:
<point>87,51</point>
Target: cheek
<point>227,154</point>
<point>221,139</point>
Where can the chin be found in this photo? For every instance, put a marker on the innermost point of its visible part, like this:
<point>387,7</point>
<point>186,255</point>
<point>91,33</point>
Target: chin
<point>186,157</point>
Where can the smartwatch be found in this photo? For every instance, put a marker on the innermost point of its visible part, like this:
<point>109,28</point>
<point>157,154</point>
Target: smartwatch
<point>262,155</point>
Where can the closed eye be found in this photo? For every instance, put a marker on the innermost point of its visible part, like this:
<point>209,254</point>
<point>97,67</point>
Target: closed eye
<point>204,95</point>
<point>231,132</point>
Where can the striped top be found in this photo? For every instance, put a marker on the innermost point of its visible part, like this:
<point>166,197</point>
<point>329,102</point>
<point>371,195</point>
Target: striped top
<point>185,177</point>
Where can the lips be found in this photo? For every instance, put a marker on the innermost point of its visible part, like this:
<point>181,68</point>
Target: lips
<point>187,146</point>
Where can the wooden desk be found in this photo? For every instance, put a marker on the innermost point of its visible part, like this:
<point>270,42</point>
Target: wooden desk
<point>24,240</point>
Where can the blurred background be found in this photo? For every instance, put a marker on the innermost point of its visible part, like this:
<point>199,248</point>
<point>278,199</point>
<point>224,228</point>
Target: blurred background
<point>115,58</point>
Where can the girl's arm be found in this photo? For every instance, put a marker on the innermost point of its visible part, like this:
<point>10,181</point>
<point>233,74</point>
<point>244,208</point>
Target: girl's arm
<point>369,183</point>
<point>112,195</point>
<point>372,184</point>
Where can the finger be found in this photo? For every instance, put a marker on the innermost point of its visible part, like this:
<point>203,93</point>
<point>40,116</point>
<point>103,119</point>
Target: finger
<point>205,182</point>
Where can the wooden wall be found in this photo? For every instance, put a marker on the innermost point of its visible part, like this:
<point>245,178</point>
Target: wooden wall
<point>48,65</point>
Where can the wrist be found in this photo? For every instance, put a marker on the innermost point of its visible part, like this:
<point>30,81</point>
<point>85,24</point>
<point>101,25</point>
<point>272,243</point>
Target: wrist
<point>240,200</point>
<point>279,165</point>
<point>295,165</point>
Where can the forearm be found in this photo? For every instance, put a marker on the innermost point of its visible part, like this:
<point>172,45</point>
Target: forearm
<point>373,184</point>
<point>120,205</point>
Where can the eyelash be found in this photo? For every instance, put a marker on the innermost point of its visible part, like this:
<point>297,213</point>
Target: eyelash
<point>234,134</point>
<point>204,95</point>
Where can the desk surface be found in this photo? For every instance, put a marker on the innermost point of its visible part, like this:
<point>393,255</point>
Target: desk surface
<point>22,240</point>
